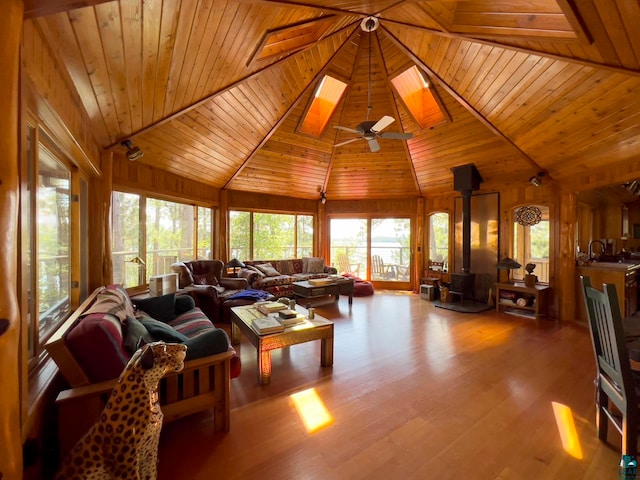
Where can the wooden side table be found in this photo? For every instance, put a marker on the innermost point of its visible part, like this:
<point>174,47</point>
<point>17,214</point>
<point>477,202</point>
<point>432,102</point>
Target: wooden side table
<point>540,294</point>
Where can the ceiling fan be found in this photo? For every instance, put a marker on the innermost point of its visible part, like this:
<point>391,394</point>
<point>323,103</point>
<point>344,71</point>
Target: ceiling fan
<point>372,130</point>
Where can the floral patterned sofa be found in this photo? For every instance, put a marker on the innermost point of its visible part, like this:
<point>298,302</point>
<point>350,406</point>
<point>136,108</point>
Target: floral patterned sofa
<point>277,276</point>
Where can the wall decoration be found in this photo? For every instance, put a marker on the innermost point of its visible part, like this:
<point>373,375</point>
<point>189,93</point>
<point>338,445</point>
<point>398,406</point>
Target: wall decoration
<point>528,216</point>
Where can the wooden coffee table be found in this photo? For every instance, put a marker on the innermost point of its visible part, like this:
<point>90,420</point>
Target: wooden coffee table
<point>317,329</point>
<point>308,291</point>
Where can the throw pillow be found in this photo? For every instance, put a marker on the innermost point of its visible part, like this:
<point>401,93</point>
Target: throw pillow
<point>259,273</point>
<point>160,331</point>
<point>315,265</point>
<point>205,279</point>
<point>161,308</point>
<point>114,300</point>
<point>268,270</point>
<point>207,343</point>
<point>248,274</point>
<point>184,303</point>
<point>134,331</point>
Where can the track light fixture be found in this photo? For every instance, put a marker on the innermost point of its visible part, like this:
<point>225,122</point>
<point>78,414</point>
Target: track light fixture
<point>133,153</point>
<point>323,197</point>
<point>536,180</point>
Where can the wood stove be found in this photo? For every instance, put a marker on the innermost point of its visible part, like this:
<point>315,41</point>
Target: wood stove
<point>466,179</point>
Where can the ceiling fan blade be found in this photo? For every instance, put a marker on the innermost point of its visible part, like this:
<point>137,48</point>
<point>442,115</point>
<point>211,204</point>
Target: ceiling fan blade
<point>346,129</point>
<point>383,123</point>
<point>348,141</point>
<point>374,145</point>
<point>396,135</point>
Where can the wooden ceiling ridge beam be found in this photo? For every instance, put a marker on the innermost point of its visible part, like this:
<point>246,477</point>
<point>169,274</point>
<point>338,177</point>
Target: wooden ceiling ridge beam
<point>213,95</point>
<point>494,43</point>
<point>462,101</point>
<point>288,111</point>
<point>396,112</point>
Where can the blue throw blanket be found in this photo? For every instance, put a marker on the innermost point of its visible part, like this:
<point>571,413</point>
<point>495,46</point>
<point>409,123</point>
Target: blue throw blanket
<point>252,294</point>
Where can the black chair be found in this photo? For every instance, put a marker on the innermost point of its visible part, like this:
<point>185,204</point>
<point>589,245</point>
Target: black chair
<point>616,382</point>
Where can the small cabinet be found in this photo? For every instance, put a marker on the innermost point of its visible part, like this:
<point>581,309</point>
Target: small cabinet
<point>534,301</point>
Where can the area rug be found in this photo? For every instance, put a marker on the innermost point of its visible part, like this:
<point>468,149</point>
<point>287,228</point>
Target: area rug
<point>468,307</point>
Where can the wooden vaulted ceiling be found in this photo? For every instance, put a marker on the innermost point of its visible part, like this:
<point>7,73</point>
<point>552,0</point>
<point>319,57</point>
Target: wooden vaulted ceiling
<point>528,86</point>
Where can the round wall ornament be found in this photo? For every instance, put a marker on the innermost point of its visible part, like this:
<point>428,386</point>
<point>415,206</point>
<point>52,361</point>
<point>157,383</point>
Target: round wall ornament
<point>528,216</point>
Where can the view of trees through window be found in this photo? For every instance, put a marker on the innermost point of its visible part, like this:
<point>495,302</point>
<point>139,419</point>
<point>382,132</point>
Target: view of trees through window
<point>531,245</point>
<point>168,236</point>
<point>378,248</point>
<point>439,237</point>
<point>53,240</point>
<point>265,236</point>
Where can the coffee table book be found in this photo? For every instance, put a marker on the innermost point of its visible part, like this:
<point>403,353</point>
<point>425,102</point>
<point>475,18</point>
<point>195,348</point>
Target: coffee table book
<point>266,325</point>
<point>270,307</point>
<point>295,320</point>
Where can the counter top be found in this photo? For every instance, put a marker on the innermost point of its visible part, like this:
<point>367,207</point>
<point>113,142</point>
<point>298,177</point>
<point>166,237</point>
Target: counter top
<point>623,267</point>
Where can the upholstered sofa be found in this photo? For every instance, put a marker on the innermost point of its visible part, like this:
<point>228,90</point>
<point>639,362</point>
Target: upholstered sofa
<point>94,345</point>
<point>204,281</point>
<point>277,276</point>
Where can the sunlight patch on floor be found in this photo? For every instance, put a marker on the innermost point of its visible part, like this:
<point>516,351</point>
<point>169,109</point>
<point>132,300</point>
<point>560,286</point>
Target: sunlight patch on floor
<point>311,409</point>
<point>567,430</point>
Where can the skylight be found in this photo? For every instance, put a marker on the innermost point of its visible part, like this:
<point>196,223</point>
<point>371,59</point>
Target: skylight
<point>292,38</point>
<point>323,104</point>
<point>419,98</point>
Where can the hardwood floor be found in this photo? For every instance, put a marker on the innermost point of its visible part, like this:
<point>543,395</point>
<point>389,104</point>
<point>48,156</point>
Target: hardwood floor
<point>415,392</point>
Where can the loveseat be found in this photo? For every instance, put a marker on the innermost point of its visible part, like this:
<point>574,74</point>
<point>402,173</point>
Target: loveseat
<point>204,280</point>
<point>277,276</point>
<point>93,346</point>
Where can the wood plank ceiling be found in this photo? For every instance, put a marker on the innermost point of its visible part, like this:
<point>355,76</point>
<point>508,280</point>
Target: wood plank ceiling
<point>528,86</point>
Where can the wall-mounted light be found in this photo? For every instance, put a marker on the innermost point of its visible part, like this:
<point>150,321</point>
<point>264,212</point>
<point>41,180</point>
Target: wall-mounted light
<point>323,197</point>
<point>133,153</point>
<point>536,180</point>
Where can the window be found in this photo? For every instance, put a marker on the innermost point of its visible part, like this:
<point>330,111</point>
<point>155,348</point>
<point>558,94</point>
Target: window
<point>264,236</point>
<point>46,248</point>
<point>149,235</point>
<point>349,245</point>
<point>531,245</point>
<point>439,237</point>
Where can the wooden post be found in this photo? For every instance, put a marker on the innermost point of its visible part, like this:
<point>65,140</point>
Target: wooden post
<point>10,430</point>
<point>566,264</point>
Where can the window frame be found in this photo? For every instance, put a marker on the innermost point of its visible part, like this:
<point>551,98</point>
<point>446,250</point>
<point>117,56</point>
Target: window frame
<point>251,247</point>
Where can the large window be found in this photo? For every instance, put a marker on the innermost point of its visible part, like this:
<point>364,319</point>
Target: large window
<point>148,235</point>
<point>264,236</point>
<point>531,246</point>
<point>376,249</point>
<point>47,249</point>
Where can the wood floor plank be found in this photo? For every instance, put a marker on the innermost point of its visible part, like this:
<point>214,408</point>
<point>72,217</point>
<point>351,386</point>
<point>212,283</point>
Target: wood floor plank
<point>415,392</point>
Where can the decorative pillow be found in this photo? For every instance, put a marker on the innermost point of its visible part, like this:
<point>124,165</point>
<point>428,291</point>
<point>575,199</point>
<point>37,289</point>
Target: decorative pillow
<point>162,331</point>
<point>114,300</point>
<point>205,279</point>
<point>268,270</point>
<point>285,267</point>
<point>161,308</point>
<point>259,273</point>
<point>134,331</point>
<point>183,304</point>
<point>207,343</point>
<point>248,274</point>
<point>315,265</point>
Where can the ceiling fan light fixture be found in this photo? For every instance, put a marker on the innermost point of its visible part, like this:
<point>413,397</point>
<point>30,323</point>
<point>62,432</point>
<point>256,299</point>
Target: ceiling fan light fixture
<point>133,152</point>
<point>369,24</point>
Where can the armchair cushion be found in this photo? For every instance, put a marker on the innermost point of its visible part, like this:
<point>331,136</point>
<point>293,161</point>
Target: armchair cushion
<point>161,308</point>
<point>208,278</point>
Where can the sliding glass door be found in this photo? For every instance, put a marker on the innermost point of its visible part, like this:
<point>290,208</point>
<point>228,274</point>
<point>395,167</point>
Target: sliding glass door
<point>376,249</point>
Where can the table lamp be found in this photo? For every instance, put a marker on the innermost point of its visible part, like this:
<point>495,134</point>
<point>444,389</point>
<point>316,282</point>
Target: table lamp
<point>508,264</point>
<point>235,264</point>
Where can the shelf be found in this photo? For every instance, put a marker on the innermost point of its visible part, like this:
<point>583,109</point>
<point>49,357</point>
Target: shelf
<point>539,293</point>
